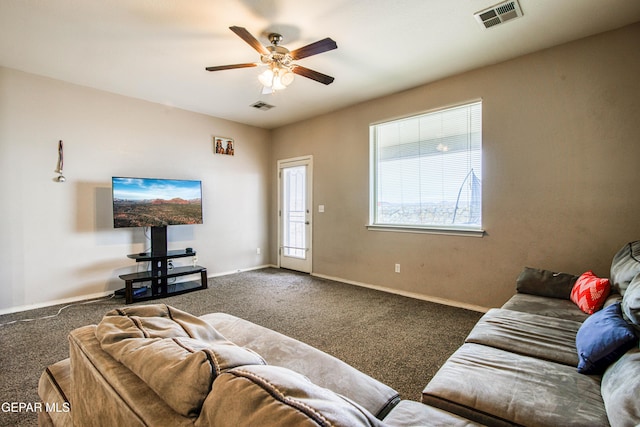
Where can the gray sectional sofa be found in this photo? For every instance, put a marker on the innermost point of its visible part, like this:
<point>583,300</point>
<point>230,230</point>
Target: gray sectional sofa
<point>518,366</point>
<point>155,365</point>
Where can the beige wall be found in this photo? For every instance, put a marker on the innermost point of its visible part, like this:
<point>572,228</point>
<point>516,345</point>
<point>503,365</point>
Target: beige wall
<point>560,180</point>
<point>561,175</point>
<point>58,242</point>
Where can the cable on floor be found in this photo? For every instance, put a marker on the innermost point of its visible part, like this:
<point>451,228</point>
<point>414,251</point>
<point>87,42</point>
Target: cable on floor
<point>51,316</point>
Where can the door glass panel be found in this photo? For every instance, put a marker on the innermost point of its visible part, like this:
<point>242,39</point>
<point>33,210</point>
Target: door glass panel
<point>294,211</point>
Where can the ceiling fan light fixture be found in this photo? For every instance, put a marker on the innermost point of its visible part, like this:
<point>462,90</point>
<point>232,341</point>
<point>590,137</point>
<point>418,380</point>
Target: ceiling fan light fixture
<point>266,78</point>
<point>286,77</point>
<point>276,78</point>
<point>277,84</point>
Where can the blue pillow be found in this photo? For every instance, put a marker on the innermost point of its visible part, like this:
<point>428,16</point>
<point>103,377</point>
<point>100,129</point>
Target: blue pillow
<point>602,339</point>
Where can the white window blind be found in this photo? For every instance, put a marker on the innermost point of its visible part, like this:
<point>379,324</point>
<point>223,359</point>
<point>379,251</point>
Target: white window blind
<point>427,170</point>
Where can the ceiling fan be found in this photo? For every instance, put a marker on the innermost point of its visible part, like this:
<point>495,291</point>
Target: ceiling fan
<point>280,60</point>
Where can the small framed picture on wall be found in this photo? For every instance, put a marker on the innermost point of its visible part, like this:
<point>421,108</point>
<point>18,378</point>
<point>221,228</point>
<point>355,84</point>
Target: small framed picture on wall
<point>223,145</point>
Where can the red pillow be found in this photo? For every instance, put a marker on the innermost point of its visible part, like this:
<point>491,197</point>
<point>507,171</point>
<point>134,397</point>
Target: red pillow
<point>590,292</point>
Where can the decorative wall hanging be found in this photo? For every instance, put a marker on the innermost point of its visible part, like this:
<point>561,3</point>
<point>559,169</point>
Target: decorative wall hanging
<point>60,177</point>
<point>222,145</point>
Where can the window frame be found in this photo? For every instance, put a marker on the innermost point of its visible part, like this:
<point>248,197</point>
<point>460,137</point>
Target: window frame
<point>459,229</point>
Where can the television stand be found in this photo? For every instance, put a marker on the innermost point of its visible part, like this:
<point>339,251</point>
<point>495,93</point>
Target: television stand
<point>157,280</point>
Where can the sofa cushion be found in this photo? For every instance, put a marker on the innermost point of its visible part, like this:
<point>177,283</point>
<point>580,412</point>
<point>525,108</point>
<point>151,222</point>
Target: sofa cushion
<point>543,306</point>
<point>625,266</point>
<point>497,387</point>
<point>545,283</point>
<point>620,388</point>
<point>631,300</point>
<point>529,334</point>
<point>176,354</point>
<point>411,414</point>
<point>590,292</point>
<point>273,395</point>
<point>602,339</point>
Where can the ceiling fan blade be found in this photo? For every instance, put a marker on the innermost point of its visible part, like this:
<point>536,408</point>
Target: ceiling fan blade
<point>252,41</point>
<point>231,67</point>
<point>314,48</point>
<point>313,75</point>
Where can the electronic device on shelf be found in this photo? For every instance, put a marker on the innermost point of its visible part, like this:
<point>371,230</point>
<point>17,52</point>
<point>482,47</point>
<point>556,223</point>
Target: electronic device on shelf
<point>154,202</point>
<point>137,292</point>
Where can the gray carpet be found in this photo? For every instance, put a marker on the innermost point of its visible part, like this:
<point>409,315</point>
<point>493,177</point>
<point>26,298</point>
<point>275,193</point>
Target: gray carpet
<point>398,340</point>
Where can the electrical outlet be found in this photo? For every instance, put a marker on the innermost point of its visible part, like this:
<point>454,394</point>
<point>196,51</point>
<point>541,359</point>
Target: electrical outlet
<point>397,268</point>
<point>258,251</point>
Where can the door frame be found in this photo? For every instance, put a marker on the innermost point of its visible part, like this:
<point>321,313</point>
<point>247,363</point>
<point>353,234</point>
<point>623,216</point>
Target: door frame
<point>297,161</point>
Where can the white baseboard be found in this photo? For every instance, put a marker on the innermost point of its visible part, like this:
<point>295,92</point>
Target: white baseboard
<point>406,293</point>
<point>105,293</point>
<point>70,300</point>
<point>259,267</point>
<point>242,270</point>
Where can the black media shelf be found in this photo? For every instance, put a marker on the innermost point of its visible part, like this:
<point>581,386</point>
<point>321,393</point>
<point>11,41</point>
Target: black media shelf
<point>156,283</point>
<point>146,256</point>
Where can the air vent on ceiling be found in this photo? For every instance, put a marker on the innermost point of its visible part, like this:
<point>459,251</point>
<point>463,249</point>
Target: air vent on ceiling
<point>499,13</point>
<point>262,106</point>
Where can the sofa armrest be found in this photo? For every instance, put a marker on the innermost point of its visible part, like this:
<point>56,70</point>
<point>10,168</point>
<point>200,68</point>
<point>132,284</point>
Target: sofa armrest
<point>54,388</point>
<point>545,283</point>
<point>106,393</point>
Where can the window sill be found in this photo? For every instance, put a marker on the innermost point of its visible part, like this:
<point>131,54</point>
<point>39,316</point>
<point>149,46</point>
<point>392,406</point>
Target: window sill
<point>427,230</point>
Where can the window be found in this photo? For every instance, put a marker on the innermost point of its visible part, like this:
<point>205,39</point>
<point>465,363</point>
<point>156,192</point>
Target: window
<point>426,171</point>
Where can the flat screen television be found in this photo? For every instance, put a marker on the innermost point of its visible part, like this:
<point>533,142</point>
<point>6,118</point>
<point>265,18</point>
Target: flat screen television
<point>153,202</point>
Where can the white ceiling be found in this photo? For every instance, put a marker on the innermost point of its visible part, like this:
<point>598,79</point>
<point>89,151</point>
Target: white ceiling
<point>157,50</point>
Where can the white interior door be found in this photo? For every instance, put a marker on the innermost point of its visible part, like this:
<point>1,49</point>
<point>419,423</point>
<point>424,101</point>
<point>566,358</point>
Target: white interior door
<point>295,213</point>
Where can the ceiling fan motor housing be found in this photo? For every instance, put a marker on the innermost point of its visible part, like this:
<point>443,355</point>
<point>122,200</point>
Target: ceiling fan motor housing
<point>278,55</point>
